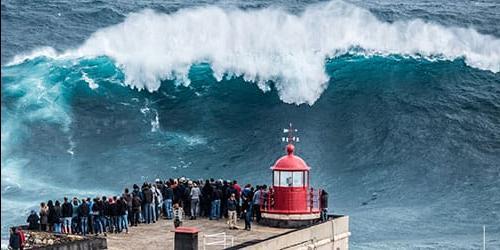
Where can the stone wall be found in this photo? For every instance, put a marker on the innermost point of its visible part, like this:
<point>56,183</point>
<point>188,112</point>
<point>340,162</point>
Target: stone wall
<point>332,234</point>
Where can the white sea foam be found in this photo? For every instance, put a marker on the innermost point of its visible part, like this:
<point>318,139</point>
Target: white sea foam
<point>272,44</point>
<point>92,84</point>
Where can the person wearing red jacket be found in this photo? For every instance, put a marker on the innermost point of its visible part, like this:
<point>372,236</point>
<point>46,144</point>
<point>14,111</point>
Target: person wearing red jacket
<point>22,238</point>
<point>237,193</point>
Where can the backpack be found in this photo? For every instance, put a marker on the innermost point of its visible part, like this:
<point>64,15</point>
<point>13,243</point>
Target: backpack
<point>84,209</point>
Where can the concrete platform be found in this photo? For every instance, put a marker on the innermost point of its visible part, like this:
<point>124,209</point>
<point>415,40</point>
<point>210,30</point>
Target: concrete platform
<point>159,235</point>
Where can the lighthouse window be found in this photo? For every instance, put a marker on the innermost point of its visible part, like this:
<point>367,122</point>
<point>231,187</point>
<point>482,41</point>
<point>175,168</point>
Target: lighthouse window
<point>298,179</point>
<point>289,178</point>
<point>276,178</point>
<point>286,179</point>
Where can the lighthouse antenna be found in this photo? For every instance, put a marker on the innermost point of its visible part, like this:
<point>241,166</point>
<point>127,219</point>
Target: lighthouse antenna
<point>290,137</point>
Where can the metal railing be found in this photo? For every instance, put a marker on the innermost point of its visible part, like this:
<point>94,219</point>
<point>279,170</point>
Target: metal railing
<point>220,239</point>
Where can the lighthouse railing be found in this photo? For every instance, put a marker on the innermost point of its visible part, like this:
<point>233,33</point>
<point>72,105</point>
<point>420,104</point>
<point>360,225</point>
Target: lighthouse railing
<point>313,200</point>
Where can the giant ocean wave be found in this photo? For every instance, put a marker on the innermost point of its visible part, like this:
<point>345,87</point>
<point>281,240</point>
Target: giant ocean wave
<point>270,45</point>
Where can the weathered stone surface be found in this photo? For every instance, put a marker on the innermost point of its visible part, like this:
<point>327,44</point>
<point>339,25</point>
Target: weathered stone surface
<point>46,240</point>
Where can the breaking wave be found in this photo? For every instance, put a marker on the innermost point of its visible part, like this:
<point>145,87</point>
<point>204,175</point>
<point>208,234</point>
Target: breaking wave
<point>271,47</point>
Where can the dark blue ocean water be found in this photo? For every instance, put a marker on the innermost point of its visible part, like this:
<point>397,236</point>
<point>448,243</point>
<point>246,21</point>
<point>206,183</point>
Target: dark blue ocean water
<point>397,104</point>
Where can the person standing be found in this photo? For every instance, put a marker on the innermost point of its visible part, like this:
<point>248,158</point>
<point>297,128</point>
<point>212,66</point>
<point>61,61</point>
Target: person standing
<point>231,211</point>
<point>97,215</point>
<point>216,196</point>
<point>237,191</point>
<point>83,214</point>
<point>226,193</point>
<point>206,195</point>
<point>168,199</point>
<point>248,218</point>
<point>136,209</point>
<point>67,213</point>
<point>90,220</point>
<point>123,214</point>
<point>324,205</point>
<point>195,201</point>
<point>106,218</point>
<point>57,217</point>
<point>14,240</point>
<point>128,198</point>
<point>256,201</point>
<point>114,213</point>
<point>22,238</point>
<point>51,216</point>
<point>33,220</point>
<point>44,216</point>
<point>148,204</point>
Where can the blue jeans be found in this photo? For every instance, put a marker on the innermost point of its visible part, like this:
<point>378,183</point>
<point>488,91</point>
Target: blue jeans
<point>57,227</point>
<point>136,217</point>
<point>148,213</point>
<point>157,211</point>
<point>115,225</point>
<point>67,224</point>
<point>195,207</point>
<point>105,223</point>
<point>84,223</point>
<point>98,224</point>
<point>168,208</point>
<point>124,222</point>
<point>215,214</point>
<point>153,211</point>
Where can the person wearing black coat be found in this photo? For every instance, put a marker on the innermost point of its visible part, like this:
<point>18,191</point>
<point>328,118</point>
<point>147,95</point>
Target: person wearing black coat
<point>97,212</point>
<point>51,216</point>
<point>83,214</point>
<point>123,214</point>
<point>107,214</point>
<point>206,198</point>
<point>148,204</point>
<point>128,198</point>
<point>136,209</point>
<point>15,239</point>
<point>67,214</point>
<point>225,196</point>
<point>33,220</point>
<point>168,199</point>
<point>324,205</point>
<point>114,212</point>
<point>57,217</point>
<point>216,196</point>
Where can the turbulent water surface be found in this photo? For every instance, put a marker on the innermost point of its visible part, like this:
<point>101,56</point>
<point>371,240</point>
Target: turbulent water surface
<point>397,102</point>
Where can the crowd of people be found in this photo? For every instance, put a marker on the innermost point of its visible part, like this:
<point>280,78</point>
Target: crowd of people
<point>171,199</point>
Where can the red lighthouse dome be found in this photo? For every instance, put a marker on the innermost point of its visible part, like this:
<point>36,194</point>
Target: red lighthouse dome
<point>290,162</point>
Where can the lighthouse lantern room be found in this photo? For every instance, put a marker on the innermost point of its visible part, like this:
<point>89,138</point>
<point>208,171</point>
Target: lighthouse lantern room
<point>291,202</point>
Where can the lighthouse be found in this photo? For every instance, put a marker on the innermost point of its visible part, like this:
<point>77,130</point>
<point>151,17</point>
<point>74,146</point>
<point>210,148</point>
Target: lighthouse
<point>291,202</point>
